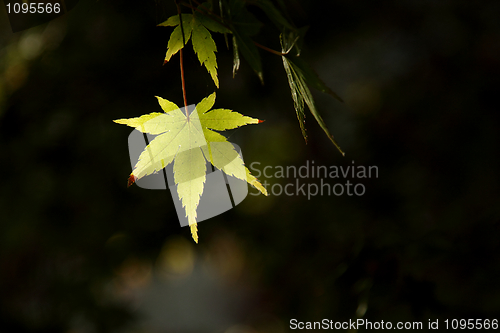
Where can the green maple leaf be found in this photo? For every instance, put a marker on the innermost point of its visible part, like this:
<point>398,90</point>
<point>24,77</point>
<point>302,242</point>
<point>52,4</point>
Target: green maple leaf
<point>299,76</point>
<point>189,140</point>
<point>195,26</point>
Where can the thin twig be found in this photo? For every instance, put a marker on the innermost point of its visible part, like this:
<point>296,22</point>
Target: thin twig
<point>182,61</point>
<point>269,50</point>
<point>183,83</point>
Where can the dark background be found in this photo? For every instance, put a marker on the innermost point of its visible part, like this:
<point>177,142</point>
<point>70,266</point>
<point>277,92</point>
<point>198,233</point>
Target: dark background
<point>79,252</point>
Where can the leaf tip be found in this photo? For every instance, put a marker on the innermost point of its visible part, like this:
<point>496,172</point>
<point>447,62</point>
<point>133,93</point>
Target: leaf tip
<point>260,121</point>
<point>131,180</point>
<point>194,232</point>
<point>261,77</point>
